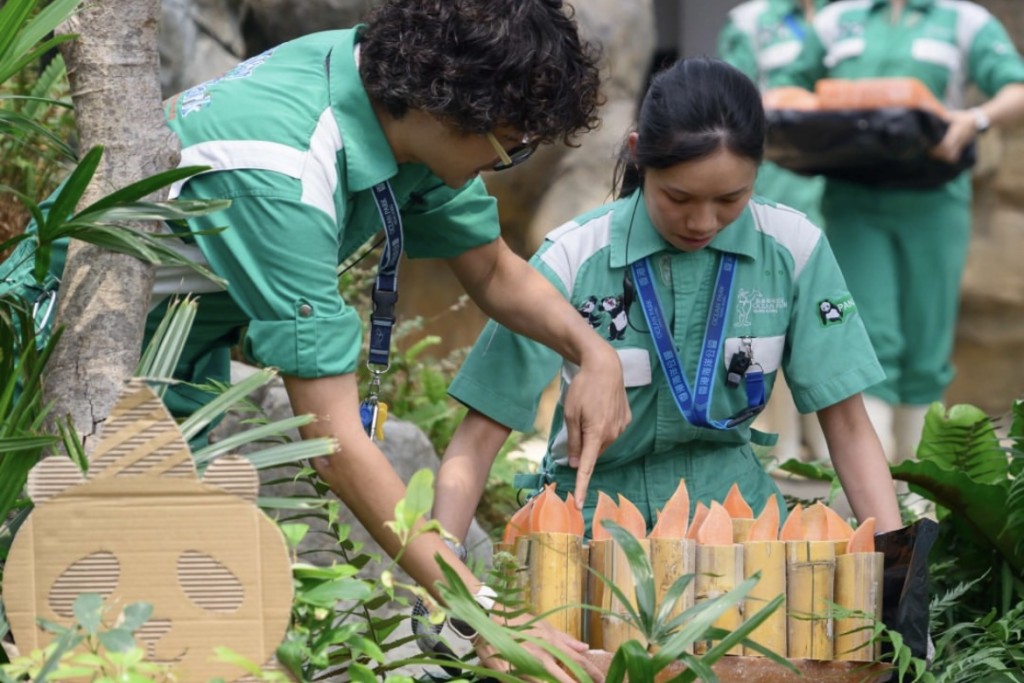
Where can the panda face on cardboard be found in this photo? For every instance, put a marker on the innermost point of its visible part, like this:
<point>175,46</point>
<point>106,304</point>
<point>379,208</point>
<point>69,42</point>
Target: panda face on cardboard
<point>143,527</point>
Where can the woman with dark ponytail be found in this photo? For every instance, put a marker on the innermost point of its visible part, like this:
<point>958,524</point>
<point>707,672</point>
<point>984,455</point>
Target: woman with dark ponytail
<point>706,293</point>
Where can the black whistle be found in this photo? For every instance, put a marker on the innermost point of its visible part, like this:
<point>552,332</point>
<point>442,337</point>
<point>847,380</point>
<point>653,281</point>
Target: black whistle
<point>737,368</point>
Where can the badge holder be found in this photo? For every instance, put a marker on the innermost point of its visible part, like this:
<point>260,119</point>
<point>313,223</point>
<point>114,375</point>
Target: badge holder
<point>372,411</point>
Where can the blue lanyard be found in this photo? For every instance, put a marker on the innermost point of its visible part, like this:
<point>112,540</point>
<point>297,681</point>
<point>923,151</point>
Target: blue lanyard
<point>694,405</point>
<point>384,297</point>
<point>795,27</point>
<point>385,289</point>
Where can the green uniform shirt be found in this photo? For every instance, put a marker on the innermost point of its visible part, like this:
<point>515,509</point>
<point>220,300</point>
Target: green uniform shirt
<point>294,143</point>
<point>945,44</point>
<point>762,38</point>
<point>788,298</point>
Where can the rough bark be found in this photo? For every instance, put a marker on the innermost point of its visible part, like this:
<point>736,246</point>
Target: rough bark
<point>113,68</point>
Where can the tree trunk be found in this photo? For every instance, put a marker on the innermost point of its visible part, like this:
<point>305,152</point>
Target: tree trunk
<point>113,68</point>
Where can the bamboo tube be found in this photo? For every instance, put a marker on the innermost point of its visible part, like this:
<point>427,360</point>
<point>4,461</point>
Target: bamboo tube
<point>858,587</point>
<point>672,559</point>
<point>555,579</point>
<point>597,592</point>
<point>522,551</point>
<point>719,570</point>
<point>810,579</point>
<point>769,558</point>
<point>614,566</point>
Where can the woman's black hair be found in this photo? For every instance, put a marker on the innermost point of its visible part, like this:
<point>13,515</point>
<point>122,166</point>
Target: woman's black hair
<point>481,64</point>
<point>693,108</point>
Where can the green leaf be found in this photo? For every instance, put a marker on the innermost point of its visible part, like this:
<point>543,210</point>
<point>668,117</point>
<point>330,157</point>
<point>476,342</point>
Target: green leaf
<point>135,615</point>
<point>88,610</point>
<point>69,194</point>
<point>643,575</point>
<point>117,640</point>
<point>326,595</point>
<point>294,533</point>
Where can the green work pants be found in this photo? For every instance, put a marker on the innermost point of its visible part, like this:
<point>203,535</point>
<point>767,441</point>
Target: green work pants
<point>902,253</point>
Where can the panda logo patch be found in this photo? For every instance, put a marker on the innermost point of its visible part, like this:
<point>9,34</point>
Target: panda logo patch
<point>835,311</point>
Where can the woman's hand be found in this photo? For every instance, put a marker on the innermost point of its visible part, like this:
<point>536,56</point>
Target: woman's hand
<point>544,632</point>
<point>961,132</point>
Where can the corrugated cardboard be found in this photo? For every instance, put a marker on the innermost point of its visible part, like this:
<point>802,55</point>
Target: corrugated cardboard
<point>143,527</point>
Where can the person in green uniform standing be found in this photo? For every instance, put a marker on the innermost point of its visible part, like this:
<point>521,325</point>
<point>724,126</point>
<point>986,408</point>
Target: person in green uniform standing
<point>667,274</point>
<point>903,251</point>
<point>762,38</point>
<point>320,141</point>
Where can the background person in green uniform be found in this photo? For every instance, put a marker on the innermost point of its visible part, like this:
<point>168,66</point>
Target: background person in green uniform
<point>418,101</point>
<point>684,213</point>
<point>903,251</point>
<point>762,38</point>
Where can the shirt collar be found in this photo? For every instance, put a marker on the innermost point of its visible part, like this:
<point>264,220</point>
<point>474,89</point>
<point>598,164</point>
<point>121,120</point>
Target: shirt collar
<point>634,237</point>
<point>911,4</point>
<point>368,156</point>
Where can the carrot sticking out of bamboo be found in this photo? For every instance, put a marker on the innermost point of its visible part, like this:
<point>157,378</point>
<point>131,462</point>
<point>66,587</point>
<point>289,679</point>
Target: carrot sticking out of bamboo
<point>606,509</point>
<point>518,525</point>
<point>838,528</point>
<point>699,514</point>
<point>736,505</point>
<point>766,526</point>
<point>741,513</point>
<point>631,519</point>
<point>863,539</point>
<point>815,522</point>
<point>859,589</point>
<point>764,554</point>
<point>716,529</point>
<point>541,501</point>
<point>793,528</point>
<point>719,568</point>
<point>673,518</point>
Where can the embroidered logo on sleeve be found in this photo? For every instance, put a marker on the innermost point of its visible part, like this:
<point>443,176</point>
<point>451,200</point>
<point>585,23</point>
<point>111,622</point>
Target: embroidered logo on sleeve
<point>836,311</point>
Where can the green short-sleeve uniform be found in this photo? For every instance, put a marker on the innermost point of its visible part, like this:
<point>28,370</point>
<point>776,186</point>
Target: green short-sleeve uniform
<point>292,140</point>
<point>903,251</point>
<point>788,300</point>
<point>762,38</point>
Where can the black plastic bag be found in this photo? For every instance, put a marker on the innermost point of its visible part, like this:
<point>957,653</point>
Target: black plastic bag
<point>905,592</point>
<point>886,148</point>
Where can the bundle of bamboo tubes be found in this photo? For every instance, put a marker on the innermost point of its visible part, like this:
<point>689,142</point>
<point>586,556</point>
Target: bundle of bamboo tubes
<point>816,560</point>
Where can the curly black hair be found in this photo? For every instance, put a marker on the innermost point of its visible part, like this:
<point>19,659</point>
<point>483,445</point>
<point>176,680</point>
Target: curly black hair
<point>481,64</point>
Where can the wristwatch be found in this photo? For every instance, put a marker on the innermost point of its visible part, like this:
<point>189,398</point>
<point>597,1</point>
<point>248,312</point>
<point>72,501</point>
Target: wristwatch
<point>485,596</point>
<point>981,120</point>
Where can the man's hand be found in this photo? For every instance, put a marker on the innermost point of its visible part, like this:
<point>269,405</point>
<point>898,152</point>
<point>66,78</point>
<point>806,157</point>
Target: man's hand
<point>596,413</point>
<point>544,632</point>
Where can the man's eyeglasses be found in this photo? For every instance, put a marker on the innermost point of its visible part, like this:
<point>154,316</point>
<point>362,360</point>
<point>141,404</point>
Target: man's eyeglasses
<point>511,157</point>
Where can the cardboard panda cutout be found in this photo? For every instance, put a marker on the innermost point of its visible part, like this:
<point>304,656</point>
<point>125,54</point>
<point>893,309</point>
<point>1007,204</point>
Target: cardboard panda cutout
<point>143,527</point>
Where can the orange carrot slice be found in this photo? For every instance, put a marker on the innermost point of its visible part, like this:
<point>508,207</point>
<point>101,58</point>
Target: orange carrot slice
<point>606,509</point>
<point>766,526</point>
<point>519,524</point>
<point>673,517</point>
<point>717,526</point>
<point>815,522</point>
<point>631,519</point>
<point>576,523</point>
<point>699,514</point>
<point>863,539</point>
<point>540,502</point>
<point>838,528</point>
<point>552,515</point>
<point>793,529</point>
<point>735,505</point>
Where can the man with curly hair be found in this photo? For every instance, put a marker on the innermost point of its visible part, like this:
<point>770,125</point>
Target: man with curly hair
<point>309,139</point>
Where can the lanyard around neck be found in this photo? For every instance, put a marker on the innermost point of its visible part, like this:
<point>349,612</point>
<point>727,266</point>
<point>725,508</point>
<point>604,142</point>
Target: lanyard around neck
<point>372,411</point>
<point>695,404</point>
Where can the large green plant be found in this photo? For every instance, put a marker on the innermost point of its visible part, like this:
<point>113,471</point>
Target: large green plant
<point>972,474</point>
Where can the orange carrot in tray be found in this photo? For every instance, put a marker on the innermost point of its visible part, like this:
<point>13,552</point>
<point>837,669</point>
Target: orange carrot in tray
<point>673,518</point>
